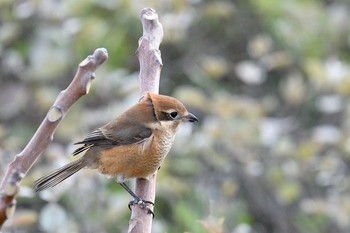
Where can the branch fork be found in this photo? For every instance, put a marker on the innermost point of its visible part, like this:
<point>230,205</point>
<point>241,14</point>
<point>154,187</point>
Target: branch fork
<point>150,67</point>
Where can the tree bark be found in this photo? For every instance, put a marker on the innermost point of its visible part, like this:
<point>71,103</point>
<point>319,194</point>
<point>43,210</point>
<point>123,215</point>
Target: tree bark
<point>22,162</point>
<point>150,67</point>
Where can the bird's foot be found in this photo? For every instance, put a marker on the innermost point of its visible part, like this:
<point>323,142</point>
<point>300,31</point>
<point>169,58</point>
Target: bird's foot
<point>143,205</point>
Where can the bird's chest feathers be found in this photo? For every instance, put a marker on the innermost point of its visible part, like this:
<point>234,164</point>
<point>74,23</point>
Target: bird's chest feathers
<point>161,143</point>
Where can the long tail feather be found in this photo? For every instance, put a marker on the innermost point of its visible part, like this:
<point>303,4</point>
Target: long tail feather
<point>58,176</point>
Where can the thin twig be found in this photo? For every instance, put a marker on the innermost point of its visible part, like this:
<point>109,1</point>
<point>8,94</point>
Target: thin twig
<point>22,162</point>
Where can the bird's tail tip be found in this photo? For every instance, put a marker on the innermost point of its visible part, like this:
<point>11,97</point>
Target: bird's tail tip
<point>58,176</point>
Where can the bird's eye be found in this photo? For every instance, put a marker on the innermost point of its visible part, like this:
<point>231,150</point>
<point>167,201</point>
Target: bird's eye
<point>173,115</point>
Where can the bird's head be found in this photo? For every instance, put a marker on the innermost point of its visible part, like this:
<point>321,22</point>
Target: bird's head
<point>169,111</point>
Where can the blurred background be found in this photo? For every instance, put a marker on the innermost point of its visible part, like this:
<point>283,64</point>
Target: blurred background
<point>268,79</point>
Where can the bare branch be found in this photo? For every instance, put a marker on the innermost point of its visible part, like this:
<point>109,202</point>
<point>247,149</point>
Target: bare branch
<point>7,203</point>
<point>43,136</point>
<point>150,68</point>
<point>148,51</point>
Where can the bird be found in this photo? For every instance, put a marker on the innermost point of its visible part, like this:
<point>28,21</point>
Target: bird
<point>132,145</point>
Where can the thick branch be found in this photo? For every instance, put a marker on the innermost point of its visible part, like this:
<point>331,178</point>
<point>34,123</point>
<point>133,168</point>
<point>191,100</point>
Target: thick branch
<point>150,68</point>
<point>43,136</point>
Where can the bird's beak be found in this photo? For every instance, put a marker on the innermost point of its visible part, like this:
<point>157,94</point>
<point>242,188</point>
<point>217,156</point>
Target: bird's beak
<point>190,118</point>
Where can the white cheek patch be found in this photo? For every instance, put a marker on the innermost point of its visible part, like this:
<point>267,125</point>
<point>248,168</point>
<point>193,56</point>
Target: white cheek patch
<point>170,126</point>
<point>167,124</point>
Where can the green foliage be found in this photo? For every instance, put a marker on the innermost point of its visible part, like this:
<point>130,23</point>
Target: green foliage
<point>312,223</point>
<point>186,218</point>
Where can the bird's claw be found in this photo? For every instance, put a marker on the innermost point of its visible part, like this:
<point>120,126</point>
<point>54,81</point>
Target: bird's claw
<point>143,205</point>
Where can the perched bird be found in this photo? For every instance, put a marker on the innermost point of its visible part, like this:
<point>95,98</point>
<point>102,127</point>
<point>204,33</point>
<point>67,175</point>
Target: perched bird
<point>132,145</point>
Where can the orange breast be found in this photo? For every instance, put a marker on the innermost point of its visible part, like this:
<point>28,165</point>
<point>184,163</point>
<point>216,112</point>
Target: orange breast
<point>137,160</point>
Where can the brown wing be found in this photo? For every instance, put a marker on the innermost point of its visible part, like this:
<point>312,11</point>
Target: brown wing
<point>115,135</point>
<point>129,128</point>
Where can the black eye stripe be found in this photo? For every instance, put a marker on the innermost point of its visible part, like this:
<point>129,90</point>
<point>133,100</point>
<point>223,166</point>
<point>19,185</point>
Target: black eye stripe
<point>168,116</point>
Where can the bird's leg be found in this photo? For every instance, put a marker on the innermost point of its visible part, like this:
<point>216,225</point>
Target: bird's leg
<point>137,200</point>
